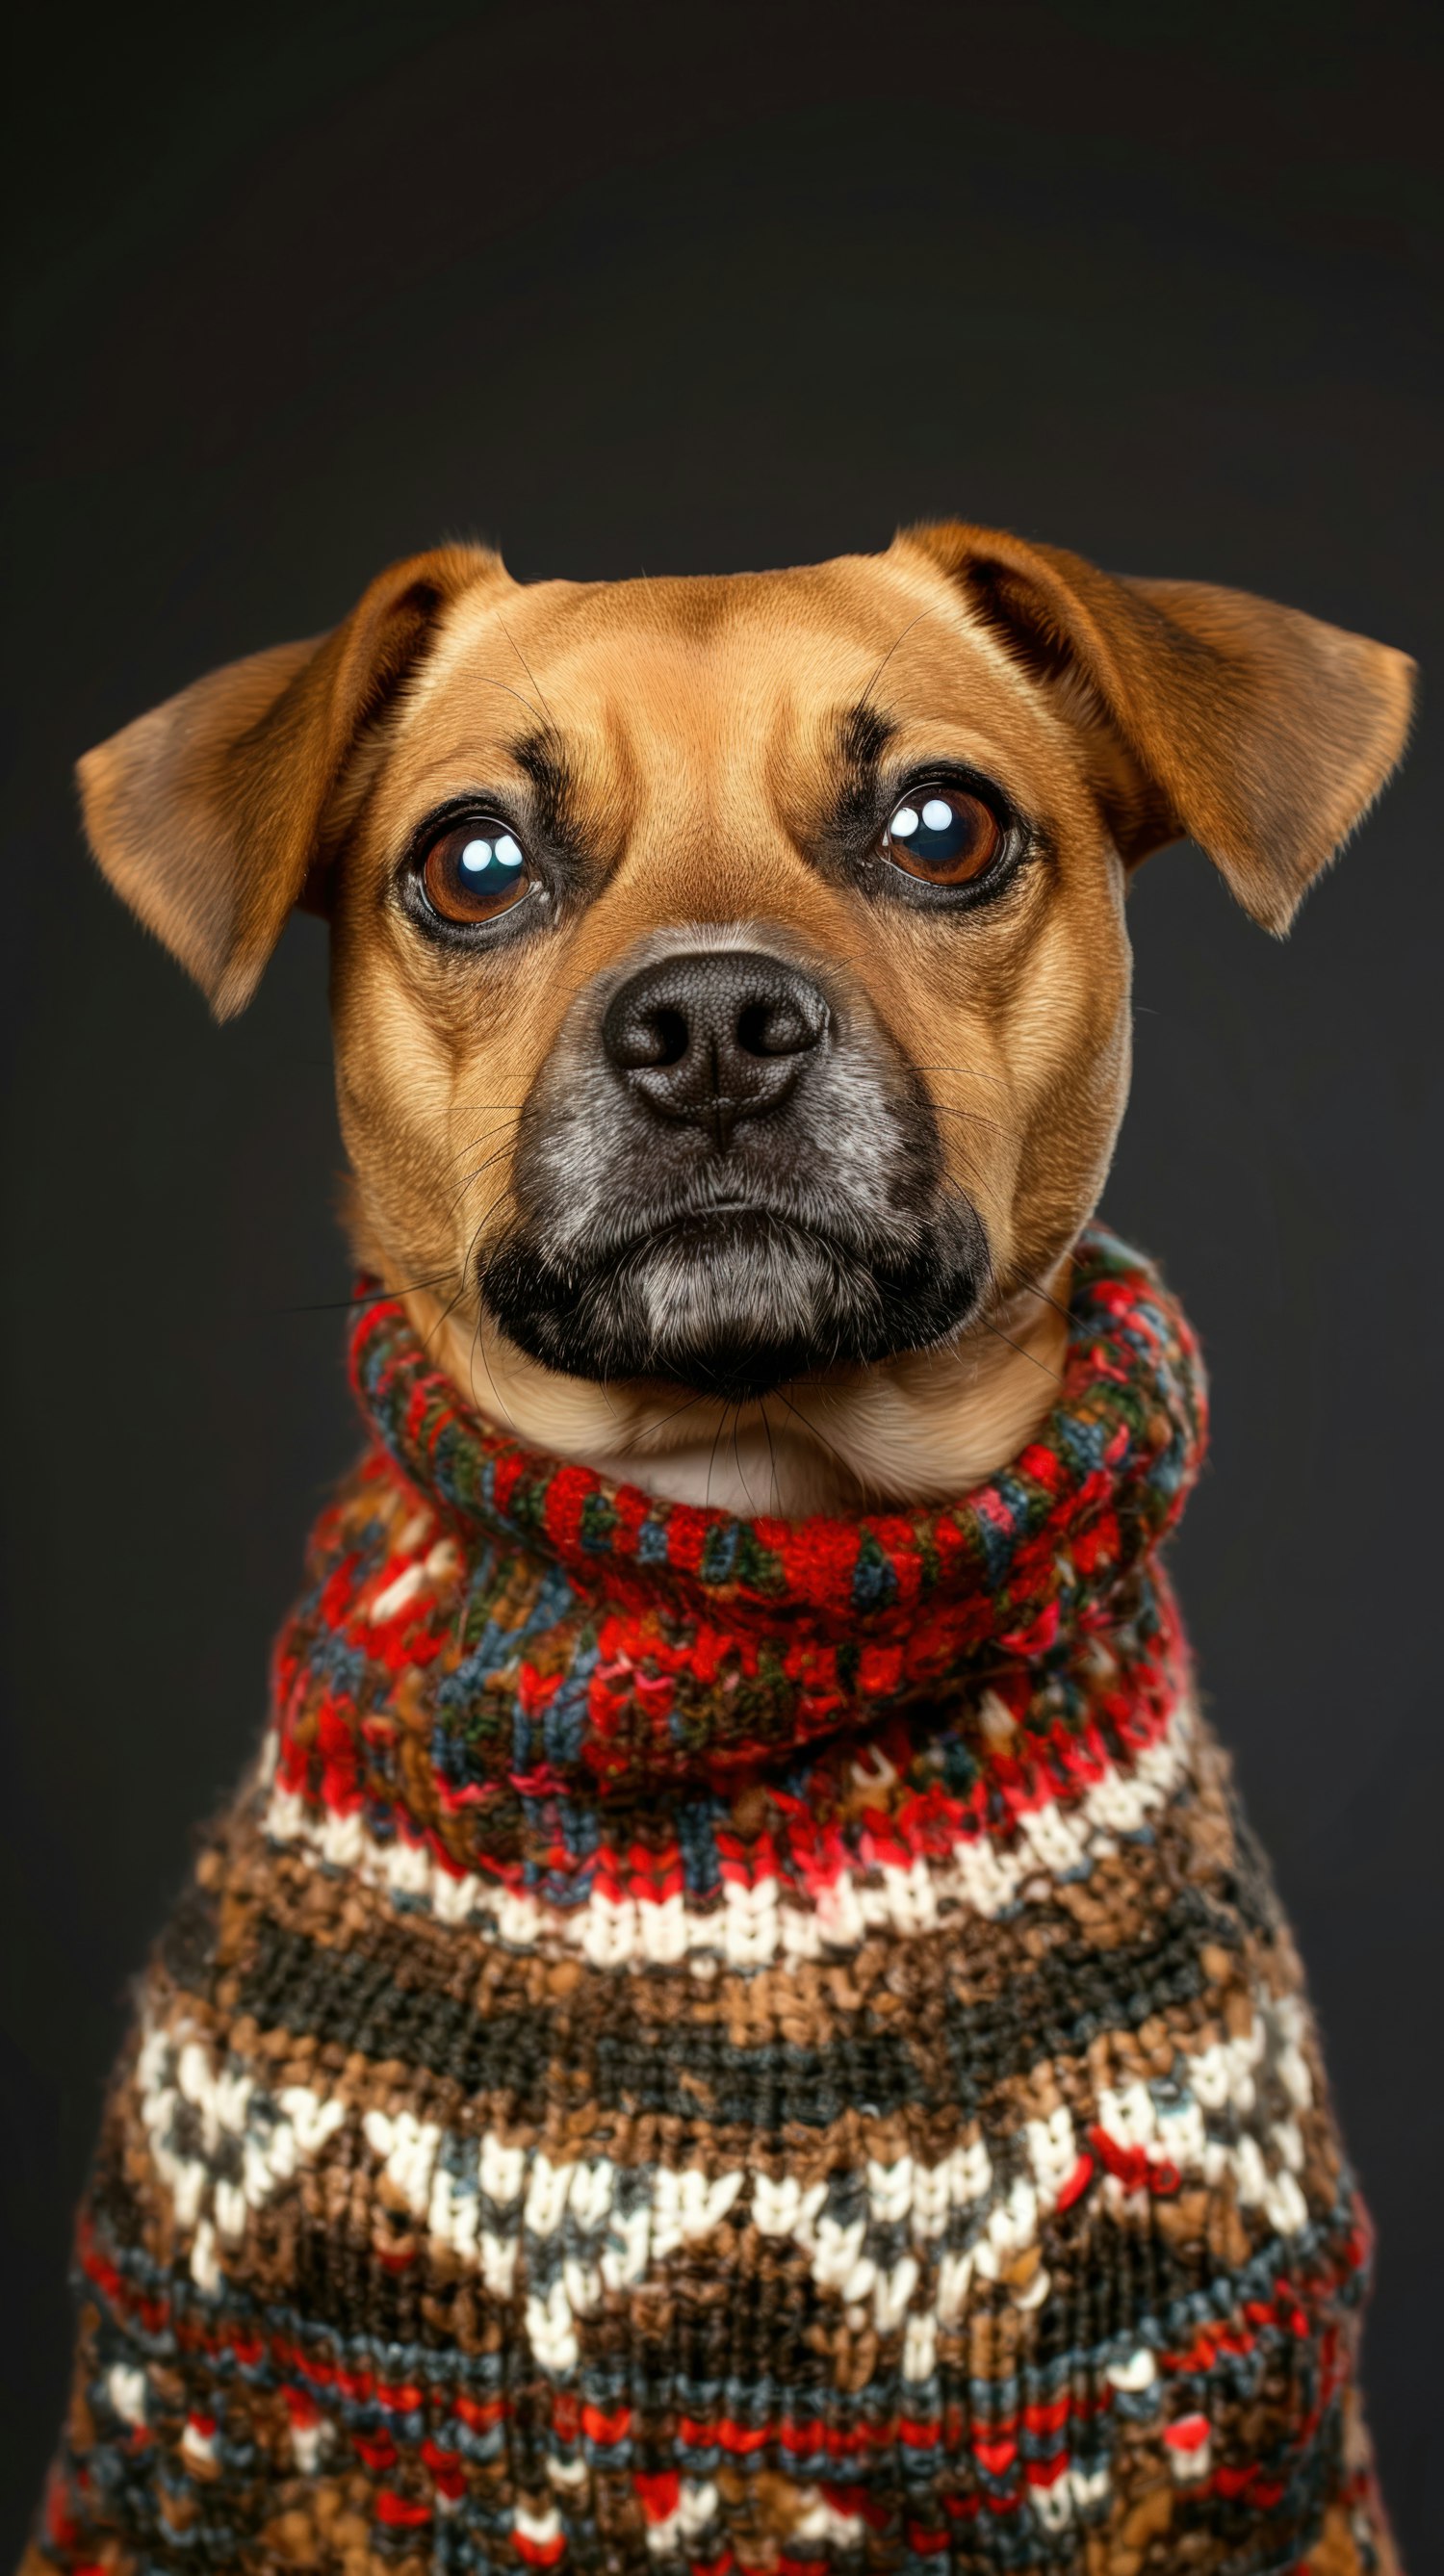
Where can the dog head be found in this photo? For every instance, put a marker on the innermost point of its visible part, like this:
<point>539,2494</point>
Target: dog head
<point>730,979</point>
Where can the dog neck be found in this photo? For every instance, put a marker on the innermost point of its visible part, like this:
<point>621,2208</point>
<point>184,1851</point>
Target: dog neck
<point>920,1428</point>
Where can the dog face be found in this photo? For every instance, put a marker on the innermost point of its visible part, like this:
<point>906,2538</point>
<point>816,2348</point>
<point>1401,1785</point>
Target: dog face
<point>786,1022</point>
<point>730,978</point>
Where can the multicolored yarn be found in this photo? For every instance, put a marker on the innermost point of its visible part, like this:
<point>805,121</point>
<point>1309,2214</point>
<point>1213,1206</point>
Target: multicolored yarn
<point>721,2045</point>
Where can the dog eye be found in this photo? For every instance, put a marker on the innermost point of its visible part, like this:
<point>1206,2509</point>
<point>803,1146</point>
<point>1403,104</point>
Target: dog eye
<point>943,835</point>
<point>475,871</point>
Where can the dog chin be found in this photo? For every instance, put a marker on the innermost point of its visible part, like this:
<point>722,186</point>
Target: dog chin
<point>734,1303</point>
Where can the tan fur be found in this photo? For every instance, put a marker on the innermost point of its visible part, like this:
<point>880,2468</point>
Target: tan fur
<point>700,718</point>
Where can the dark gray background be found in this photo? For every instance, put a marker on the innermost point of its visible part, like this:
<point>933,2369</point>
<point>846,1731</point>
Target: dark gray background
<point>694,288</point>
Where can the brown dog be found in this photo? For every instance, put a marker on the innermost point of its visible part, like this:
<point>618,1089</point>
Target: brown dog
<point>722,2038</point>
<point>723,1086</point>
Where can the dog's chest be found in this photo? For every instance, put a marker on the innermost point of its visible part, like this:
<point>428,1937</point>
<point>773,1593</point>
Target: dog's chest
<point>644,2082</point>
<point>989,2175</point>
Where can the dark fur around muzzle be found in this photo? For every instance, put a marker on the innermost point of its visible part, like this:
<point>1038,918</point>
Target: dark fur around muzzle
<point>726,1178</point>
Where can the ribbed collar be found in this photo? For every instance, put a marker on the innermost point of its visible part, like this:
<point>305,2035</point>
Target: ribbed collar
<point>1044,1542</point>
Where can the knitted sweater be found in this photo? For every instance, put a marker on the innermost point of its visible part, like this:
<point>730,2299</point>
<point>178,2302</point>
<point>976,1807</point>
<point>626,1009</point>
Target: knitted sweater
<point>718,2045</point>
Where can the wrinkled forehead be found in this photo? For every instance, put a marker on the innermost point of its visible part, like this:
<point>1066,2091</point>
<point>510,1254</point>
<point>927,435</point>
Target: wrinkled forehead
<point>749,673</point>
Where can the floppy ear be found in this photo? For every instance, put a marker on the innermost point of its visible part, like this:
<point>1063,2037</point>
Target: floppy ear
<point>1260,733</point>
<point>207,814</point>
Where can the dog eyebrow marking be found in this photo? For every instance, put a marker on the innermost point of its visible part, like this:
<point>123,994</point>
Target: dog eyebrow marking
<point>864,734</point>
<point>553,780</point>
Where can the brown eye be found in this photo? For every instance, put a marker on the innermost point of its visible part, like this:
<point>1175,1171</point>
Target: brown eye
<point>475,871</point>
<point>943,835</point>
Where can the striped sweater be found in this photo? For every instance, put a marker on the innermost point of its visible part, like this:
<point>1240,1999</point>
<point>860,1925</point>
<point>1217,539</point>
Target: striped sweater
<point>716,2045</point>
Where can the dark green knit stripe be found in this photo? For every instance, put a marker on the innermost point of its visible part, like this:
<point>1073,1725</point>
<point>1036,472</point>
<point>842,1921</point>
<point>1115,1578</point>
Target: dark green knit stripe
<point>610,2056</point>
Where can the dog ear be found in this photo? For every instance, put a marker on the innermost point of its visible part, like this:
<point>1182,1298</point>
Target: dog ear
<point>207,815</point>
<point>1260,733</point>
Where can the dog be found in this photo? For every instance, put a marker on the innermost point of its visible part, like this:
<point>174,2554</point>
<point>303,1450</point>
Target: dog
<point>731,999</point>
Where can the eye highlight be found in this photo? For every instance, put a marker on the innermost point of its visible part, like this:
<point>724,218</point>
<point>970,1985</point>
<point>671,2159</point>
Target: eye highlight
<point>944,835</point>
<point>475,871</point>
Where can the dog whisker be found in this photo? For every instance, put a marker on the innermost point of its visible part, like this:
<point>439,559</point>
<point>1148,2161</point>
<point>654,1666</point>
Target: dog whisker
<point>473,1177</point>
<point>976,1117</point>
<point>712,1461</point>
<point>812,1430</point>
<point>478,1332</point>
<point>771,1449</point>
<point>965,1072</point>
<point>1032,1289</point>
<point>480,1138</point>
<point>892,648</point>
<point>657,1422</point>
<point>517,694</point>
<point>984,1324</point>
<point>737,1461</point>
<point>478,1349</point>
<point>363,1297</point>
<point>531,675</point>
<point>449,1309</point>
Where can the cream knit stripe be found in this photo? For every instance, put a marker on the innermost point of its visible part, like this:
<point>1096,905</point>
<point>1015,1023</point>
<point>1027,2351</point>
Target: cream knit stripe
<point>873,2234</point>
<point>754,1924</point>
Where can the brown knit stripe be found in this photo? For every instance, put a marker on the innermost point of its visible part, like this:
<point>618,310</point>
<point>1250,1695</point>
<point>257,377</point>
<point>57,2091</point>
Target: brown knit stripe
<point>278,1909</point>
<point>340,2208</point>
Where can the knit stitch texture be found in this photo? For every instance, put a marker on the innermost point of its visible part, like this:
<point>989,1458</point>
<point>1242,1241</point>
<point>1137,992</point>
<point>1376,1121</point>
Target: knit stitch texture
<point>716,2045</point>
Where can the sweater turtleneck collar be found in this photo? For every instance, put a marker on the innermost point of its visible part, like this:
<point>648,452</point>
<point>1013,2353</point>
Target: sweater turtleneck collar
<point>492,1639</point>
<point>1102,1483</point>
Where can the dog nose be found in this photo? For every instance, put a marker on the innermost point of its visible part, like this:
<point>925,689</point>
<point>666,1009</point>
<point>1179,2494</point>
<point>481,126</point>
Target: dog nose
<point>711,1037</point>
